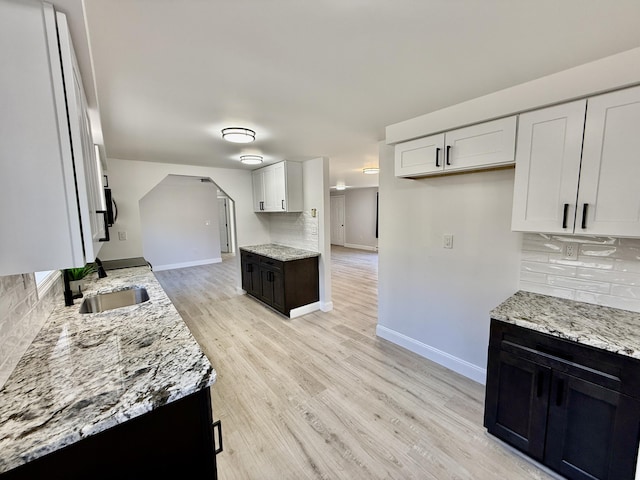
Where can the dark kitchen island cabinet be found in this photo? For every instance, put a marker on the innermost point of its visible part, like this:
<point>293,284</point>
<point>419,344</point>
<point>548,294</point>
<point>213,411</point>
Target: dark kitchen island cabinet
<point>175,440</point>
<point>283,283</point>
<point>572,407</point>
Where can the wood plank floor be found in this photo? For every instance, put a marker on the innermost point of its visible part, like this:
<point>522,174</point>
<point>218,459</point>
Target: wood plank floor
<point>321,397</point>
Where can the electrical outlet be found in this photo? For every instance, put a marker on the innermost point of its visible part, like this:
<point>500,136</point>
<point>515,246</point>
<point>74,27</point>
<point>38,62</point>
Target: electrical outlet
<point>447,241</point>
<point>571,251</point>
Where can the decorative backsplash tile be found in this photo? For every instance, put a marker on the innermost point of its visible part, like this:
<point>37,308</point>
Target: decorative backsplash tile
<point>22,314</point>
<point>606,272</point>
<point>297,230</point>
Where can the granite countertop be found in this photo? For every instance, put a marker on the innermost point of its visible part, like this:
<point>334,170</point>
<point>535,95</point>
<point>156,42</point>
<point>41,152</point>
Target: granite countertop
<point>606,328</point>
<point>280,252</point>
<point>85,373</point>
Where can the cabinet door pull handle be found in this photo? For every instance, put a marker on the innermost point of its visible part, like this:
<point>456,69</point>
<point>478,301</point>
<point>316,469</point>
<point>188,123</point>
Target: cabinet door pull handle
<point>540,383</point>
<point>437,155</point>
<point>283,204</point>
<point>584,215</point>
<point>564,215</point>
<point>106,226</point>
<point>448,155</point>
<point>261,205</point>
<point>217,427</point>
<point>559,392</point>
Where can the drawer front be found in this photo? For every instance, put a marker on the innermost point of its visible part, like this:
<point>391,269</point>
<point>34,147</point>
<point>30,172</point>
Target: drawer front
<point>622,371</point>
<point>271,264</point>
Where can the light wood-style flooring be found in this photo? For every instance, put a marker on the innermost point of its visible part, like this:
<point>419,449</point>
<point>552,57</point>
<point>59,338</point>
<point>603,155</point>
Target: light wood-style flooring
<point>321,397</point>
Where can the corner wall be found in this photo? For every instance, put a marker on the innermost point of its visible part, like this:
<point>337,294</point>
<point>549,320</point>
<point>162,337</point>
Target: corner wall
<point>436,301</point>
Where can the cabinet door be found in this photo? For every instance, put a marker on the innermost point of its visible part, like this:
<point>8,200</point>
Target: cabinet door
<point>91,202</point>
<point>419,157</point>
<point>609,196</point>
<point>250,273</point>
<point>257,177</point>
<point>517,396</point>
<point>548,169</point>
<point>592,431</point>
<point>489,144</point>
<point>280,187</point>
<point>271,193</point>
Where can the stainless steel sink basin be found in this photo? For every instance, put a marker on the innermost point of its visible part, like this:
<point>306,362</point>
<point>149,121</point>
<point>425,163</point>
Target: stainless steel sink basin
<point>109,301</point>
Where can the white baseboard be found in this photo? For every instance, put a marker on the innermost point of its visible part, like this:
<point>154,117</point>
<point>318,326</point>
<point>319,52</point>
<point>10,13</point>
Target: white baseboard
<point>361,247</point>
<point>326,306</point>
<point>445,359</point>
<point>171,266</point>
<point>303,310</point>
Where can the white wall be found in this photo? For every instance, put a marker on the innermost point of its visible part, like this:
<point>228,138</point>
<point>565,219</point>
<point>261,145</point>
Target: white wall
<point>132,180</point>
<point>436,301</point>
<point>360,217</point>
<point>180,226</point>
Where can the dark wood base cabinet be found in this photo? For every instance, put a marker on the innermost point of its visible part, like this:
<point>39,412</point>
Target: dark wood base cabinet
<point>574,408</point>
<point>173,441</point>
<point>281,285</point>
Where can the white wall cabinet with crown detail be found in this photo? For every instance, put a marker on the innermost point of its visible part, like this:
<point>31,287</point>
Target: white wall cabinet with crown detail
<point>278,188</point>
<point>50,183</point>
<point>485,145</point>
<point>580,176</point>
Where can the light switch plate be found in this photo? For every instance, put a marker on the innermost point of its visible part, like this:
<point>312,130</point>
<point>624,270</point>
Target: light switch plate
<point>447,241</point>
<point>122,235</point>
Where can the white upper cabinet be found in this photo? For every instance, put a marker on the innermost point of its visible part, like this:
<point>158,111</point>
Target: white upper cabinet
<point>609,195</point>
<point>580,176</point>
<point>548,168</point>
<point>278,188</point>
<point>44,176</point>
<point>481,146</point>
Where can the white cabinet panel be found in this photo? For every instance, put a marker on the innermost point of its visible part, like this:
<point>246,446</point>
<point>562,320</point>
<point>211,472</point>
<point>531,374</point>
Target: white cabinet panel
<point>489,144</point>
<point>548,168</point>
<point>580,176</point>
<point>419,157</point>
<point>278,188</point>
<point>42,186</point>
<point>486,145</point>
<point>610,176</point>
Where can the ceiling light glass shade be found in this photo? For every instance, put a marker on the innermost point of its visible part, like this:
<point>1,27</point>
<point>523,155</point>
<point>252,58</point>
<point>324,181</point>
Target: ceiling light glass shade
<point>341,187</point>
<point>370,171</point>
<point>251,159</point>
<point>238,135</point>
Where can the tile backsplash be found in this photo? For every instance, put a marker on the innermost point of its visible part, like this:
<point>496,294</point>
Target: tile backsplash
<point>298,230</point>
<point>606,272</point>
<point>22,314</point>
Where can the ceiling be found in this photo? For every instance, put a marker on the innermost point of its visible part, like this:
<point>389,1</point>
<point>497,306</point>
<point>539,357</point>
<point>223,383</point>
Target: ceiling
<point>319,78</point>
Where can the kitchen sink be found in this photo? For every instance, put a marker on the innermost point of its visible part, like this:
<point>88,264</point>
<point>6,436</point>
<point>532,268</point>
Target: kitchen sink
<point>109,301</point>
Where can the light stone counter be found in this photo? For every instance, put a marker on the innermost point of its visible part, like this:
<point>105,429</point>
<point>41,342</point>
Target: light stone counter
<point>280,252</point>
<point>606,328</point>
<point>85,373</point>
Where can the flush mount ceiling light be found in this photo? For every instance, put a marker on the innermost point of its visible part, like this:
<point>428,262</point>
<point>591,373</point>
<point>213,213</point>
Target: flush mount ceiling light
<point>341,186</point>
<point>370,171</point>
<point>238,135</point>
<point>251,159</point>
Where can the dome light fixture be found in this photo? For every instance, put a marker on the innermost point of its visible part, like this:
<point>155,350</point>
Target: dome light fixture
<point>238,135</point>
<point>370,170</point>
<point>251,159</point>
<point>341,186</point>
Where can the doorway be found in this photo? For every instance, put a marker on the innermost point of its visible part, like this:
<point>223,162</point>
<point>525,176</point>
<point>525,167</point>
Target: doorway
<point>337,220</point>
